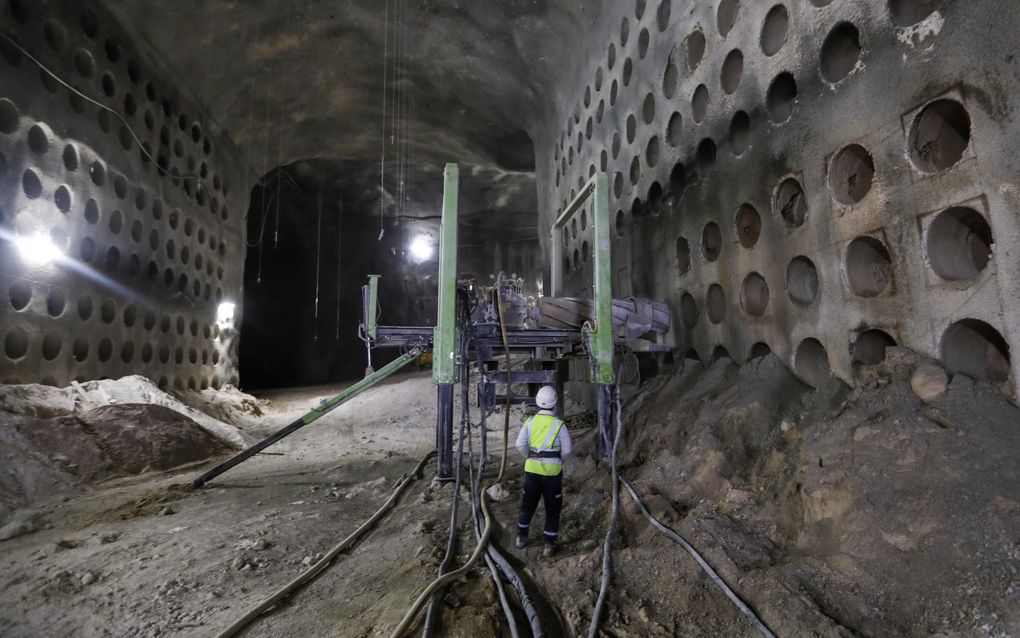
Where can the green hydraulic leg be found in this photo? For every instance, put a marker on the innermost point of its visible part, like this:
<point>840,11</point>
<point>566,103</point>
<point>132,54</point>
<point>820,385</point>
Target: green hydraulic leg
<point>444,363</point>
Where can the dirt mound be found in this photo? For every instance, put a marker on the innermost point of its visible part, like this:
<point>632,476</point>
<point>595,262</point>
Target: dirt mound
<point>49,456</point>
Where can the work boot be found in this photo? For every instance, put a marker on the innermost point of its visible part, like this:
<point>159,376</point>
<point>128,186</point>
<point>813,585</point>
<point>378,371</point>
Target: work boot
<point>522,541</point>
<point>549,549</point>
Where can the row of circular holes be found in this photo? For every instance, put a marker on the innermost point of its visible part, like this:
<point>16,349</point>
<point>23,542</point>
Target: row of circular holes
<point>938,139</point>
<point>20,297</point>
<point>84,62</point>
<point>39,142</point>
<point>17,346</point>
<point>959,245</point>
<point>839,55</point>
<point>969,346</point>
<point>105,123</point>
<point>841,47</point>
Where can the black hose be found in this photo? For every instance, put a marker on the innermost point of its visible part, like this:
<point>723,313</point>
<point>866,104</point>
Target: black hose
<point>607,547</point>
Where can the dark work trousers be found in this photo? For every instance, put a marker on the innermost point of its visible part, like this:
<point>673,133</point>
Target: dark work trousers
<point>549,489</point>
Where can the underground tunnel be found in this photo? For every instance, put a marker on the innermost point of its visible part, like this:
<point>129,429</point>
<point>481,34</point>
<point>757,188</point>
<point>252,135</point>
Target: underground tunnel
<point>547,318</point>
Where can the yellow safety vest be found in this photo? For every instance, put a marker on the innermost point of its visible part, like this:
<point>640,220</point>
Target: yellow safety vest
<point>544,429</point>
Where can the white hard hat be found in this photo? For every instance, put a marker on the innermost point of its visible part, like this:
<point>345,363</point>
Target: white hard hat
<point>546,398</point>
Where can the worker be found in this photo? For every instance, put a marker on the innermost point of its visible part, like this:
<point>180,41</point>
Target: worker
<point>545,441</point>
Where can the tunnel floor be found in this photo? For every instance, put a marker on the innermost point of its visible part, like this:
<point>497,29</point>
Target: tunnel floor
<point>815,506</point>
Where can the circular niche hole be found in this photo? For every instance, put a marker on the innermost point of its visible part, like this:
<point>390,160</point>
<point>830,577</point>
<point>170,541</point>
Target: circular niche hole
<point>726,16</point>
<point>84,307</point>
<point>759,350</point>
<point>624,31</point>
<point>977,350</point>
<point>16,344</point>
<point>683,255</point>
<point>635,170</point>
<point>840,52</point>
<point>790,202</point>
<point>51,346</point>
<point>802,281</point>
<point>648,109</point>
<point>869,347</point>
<point>905,13</point>
<point>754,295</point>
<point>868,267</point>
<point>80,349</point>
<point>107,311</point>
<point>621,228</point>
<point>694,48</point>
<point>70,157</point>
<point>670,81</point>
<point>748,224</point>
<point>811,362</point>
<point>92,212</point>
<point>116,222</point>
<point>677,178</point>
<point>105,350</point>
<point>643,41</point>
<point>674,130</point>
<point>62,198</point>
<point>665,8</point>
<point>716,302</point>
<point>20,295</point>
<point>711,241</point>
<point>699,103</point>
<point>732,71</point>
<point>98,173</point>
<point>652,152</point>
<point>38,139</point>
<point>9,117</point>
<point>850,174</point>
<point>959,244</point>
<point>88,249</point>
<point>31,184</point>
<point>55,35</point>
<point>775,30</point>
<point>127,352</point>
<point>109,84</point>
<point>628,70</point>
<point>55,303</point>
<point>720,352</point>
<point>781,98</point>
<point>706,153</point>
<point>740,133</point>
<point>939,135</point>
<point>631,128</point>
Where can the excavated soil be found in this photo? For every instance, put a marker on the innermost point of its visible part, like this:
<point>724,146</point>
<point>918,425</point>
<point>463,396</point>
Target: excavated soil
<point>831,512</point>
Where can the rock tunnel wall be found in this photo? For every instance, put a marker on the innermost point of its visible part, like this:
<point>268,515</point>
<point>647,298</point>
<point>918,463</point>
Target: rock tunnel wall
<point>815,178</point>
<point>152,226</point>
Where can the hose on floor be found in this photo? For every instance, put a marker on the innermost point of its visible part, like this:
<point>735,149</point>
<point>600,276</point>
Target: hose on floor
<point>401,486</point>
<point>716,578</point>
<point>607,547</point>
<point>483,541</point>
<point>451,541</point>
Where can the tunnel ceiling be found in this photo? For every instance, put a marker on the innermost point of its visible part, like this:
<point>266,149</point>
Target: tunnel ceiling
<point>305,79</point>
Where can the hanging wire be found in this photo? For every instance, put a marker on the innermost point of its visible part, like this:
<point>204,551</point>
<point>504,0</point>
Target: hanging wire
<point>318,260</point>
<point>382,160</point>
<point>45,69</point>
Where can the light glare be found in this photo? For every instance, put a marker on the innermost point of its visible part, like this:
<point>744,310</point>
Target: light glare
<point>38,250</point>
<point>225,312</point>
<point>421,249</point>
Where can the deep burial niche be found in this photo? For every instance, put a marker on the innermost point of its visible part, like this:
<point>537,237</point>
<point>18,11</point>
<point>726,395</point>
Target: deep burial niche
<point>314,237</point>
